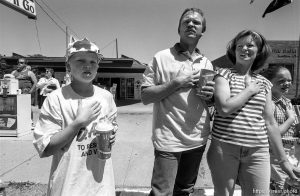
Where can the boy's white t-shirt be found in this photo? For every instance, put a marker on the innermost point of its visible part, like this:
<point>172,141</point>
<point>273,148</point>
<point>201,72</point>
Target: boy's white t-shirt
<point>76,169</point>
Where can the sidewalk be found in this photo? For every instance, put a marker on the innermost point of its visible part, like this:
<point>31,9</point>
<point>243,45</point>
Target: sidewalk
<point>132,156</point>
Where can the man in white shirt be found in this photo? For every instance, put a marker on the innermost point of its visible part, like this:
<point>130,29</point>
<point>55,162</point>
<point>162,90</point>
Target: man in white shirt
<point>180,113</point>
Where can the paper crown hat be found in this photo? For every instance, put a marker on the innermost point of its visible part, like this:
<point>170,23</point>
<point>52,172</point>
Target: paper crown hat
<point>83,45</point>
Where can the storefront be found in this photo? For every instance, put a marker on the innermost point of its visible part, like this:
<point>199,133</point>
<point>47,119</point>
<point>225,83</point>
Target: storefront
<point>124,74</point>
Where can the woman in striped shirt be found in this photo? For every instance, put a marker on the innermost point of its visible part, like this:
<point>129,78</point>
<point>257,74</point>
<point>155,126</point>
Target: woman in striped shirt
<point>244,121</point>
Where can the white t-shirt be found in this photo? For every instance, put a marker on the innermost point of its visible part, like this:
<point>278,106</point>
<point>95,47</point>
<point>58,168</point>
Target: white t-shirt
<point>181,120</point>
<point>43,83</point>
<point>75,170</point>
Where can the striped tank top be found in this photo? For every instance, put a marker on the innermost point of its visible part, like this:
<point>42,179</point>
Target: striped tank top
<point>246,126</point>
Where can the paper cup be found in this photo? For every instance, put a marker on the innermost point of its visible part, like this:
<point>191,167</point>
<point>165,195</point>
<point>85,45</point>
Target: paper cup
<point>103,144</point>
<point>205,76</point>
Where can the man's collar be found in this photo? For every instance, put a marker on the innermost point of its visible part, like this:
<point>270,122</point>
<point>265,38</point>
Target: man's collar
<point>179,49</point>
<point>281,99</point>
<point>276,99</point>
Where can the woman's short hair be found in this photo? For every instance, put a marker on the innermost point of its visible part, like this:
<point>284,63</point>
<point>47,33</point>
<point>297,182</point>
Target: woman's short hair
<point>264,50</point>
<point>197,10</point>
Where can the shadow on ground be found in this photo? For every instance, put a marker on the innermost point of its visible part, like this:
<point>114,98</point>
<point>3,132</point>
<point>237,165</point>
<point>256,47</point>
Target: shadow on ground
<point>126,102</point>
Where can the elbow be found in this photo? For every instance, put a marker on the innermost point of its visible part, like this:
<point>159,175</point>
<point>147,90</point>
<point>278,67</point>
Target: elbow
<point>224,112</point>
<point>145,97</point>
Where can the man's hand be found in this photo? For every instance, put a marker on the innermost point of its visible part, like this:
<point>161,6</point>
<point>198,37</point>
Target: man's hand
<point>207,91</point>
<point>184,80</point>
<point>86,114</point>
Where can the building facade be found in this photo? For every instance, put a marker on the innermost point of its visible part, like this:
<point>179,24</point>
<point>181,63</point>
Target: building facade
<point>123,74</point>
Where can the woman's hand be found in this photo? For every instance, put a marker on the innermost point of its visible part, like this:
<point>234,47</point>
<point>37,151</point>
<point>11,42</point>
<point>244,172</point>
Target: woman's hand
<point>254,87</point>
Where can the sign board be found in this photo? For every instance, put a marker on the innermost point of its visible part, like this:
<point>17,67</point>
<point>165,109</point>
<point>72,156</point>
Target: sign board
<point>26,7</point>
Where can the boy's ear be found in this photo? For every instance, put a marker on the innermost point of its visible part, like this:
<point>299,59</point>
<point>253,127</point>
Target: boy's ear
<point>68,67</point>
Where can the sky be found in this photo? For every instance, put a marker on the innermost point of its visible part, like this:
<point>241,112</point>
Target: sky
<point>141,27</point>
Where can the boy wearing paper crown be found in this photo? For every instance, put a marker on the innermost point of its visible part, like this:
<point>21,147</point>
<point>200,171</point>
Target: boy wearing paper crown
<point>66,128</point>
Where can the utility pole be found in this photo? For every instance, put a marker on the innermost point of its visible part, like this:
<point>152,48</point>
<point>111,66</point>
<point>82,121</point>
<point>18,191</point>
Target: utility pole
<point>67,40</point>
<point>298,70</point>
<point>117,48</point>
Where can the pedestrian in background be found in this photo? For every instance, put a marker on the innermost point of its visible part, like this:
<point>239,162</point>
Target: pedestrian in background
<point>66,128</point>
<point>181,121</point>
<point>244,122</point>
<point>27,79</point>
<point>47,84</point>
<point>27,82</point>
<point>287,120</point>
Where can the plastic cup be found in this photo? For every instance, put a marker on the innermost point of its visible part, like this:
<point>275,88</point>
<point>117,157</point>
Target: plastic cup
<point>205,76</point>
<point>103,134</point>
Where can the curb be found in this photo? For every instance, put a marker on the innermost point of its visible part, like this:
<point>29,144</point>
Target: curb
<point>146,191</point>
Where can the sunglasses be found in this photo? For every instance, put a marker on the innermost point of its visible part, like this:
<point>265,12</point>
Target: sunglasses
<point>21,62</point>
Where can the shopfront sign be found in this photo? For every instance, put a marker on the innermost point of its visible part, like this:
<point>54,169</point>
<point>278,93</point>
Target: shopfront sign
<point>285,52</point>
<point>26,7</point>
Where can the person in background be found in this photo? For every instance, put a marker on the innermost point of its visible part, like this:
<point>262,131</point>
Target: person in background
<point>181,122</point>
<point>66,128</point>
<point>27,82</point>
<point>28,67</point>
<point>47,84</point>
<point>27,79</point>
<point>244,123</point>
<point>67,79</point>
<point>288,123</point>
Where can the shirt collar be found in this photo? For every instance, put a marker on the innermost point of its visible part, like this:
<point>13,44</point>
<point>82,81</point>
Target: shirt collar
<point>179,49</point>
<point>282,99</point>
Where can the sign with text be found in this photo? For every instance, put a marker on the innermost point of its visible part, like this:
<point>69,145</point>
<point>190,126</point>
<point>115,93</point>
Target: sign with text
<point>26,7</point>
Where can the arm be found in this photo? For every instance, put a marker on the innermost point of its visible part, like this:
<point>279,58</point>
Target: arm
<point>226,104</point>
<point>275,138</point>
<point>34,80</point>
<point>41,83</point>
<point>57,84</point>
<point>284,127</point>
<point>85,115</point>
<point>157,93</point>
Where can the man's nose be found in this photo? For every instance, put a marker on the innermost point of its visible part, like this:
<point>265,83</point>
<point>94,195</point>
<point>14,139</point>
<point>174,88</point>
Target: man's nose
<point>191,23</point>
